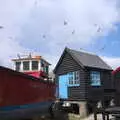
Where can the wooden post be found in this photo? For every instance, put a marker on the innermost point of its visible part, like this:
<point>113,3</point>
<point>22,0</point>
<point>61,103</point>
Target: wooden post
<point>95,115</point>
<point>103,115</point>
<point>107,116</point>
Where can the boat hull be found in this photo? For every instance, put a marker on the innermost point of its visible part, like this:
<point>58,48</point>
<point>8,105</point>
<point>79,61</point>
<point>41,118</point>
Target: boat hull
<point>26,111</point>
<point>22,95</point>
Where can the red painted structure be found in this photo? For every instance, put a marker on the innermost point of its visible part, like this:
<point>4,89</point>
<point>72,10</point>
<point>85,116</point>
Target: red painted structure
<point>39,71</point>
<point>37,74</point>
<point>116,78</point>
<point>18,89</point>
<point>115,71</point>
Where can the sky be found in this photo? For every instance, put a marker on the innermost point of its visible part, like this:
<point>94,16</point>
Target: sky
<point>46,27</point>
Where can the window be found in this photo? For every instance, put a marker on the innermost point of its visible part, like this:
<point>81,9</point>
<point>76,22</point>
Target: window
<point>26,65</point>
<point>95,78</point>
<point>17,66</point>
<point>74,78</point>
<point>46,69</point>
<point>34,65</point>
<point>42,63</point>
<point>71,79</point>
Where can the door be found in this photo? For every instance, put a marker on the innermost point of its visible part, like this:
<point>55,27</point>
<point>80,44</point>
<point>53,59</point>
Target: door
<point>63,86</point>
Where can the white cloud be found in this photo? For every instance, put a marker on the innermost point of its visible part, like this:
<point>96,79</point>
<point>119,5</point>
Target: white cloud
<point>27,21</point>
<point>114,62</point>
<point>83,17</point>
<point>8,49</point>
<point>12,16</point>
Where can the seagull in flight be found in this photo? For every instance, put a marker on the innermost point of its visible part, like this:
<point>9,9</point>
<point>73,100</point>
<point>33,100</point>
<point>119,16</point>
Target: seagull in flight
<point>35,2</point>
<point>1,27</point>
<point>99,28</point>
<point>44,36</point>
<point>103,47</point>
<point>73,32</point>
<point>65,23</point>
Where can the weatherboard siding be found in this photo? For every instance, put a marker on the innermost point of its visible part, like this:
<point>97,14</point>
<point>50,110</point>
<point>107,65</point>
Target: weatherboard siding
<point>99,92</point>
<point>84,91</point>
<point>78,92</point>
<point>68,64</point>
<point>92,91</point>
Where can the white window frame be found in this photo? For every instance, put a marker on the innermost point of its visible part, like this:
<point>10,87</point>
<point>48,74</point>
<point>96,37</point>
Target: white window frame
<point>19,65</point>
<point>28,65</point>
<point>72,78</point>
<point>37,65</point>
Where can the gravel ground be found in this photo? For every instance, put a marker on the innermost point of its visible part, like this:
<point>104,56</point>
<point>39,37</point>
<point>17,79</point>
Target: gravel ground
<point>91,117</point>
<point>72,117</point>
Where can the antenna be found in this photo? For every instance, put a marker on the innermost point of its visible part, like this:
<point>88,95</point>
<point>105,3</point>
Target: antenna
<point>81,48</point>
<point>30,56</point>
<point>18,55</point>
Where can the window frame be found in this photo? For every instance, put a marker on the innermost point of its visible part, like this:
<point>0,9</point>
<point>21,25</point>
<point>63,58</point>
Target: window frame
<point>28,66</point>
<point>95,78</point>
<point>37,65</point>
<point>18,67</point>
<point>72,81</point>
<point>47,69</point>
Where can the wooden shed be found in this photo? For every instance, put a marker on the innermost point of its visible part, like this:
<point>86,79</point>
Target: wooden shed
<point>83,77</point>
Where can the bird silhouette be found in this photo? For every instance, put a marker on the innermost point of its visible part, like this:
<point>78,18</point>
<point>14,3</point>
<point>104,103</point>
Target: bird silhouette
<point>65,23</point>
<point>35,2</point>
<point>99,29</point>
<point>1,27</point>
<point>44,36</point>
<point>10,37</point>
<point>103,47</point>
<point>95,24</point>
<point>73,32</point>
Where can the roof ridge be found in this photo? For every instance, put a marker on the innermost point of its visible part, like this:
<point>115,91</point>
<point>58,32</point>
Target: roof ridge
<point>92,59</point>
<point>83,51</point>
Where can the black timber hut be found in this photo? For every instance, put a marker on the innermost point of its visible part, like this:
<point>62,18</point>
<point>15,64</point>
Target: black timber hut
<point>83,77</point>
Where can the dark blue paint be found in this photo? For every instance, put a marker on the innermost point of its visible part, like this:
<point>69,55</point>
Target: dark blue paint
<point>26,106</point>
